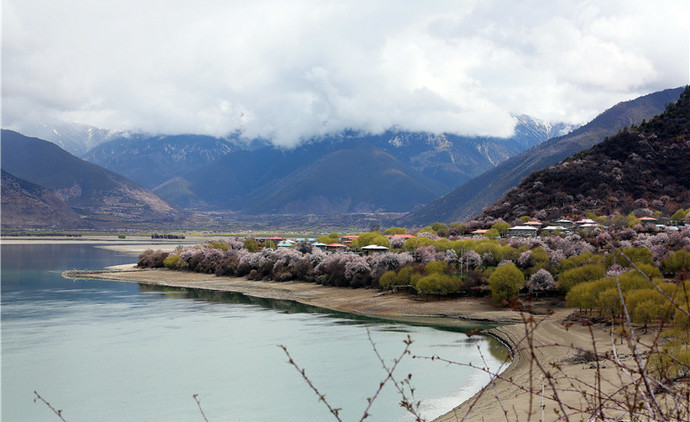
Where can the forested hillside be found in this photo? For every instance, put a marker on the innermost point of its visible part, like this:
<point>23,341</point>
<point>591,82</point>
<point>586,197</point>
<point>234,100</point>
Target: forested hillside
<point>645,166</point>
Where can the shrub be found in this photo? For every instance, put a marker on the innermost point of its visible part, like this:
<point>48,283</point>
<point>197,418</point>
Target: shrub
<point>173,262</point>
<point>152,259</point>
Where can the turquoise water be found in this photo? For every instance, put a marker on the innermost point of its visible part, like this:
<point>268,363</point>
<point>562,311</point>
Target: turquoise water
<point>101,350</point>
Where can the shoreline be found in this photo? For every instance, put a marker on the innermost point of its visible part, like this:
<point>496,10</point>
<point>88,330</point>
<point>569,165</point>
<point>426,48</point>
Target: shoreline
<point>372,303</point>
<point>468,313</point>
<point>554,344</point>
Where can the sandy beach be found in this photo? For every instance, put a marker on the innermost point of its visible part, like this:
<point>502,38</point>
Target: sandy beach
<point>551,339</point>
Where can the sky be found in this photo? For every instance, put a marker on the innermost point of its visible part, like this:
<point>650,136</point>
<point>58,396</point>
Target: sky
<point>293,70</point>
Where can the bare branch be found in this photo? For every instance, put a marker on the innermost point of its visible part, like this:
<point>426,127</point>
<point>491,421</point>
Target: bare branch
<point>57,412</point>
<point>322,397</point>
<point>198,403</point>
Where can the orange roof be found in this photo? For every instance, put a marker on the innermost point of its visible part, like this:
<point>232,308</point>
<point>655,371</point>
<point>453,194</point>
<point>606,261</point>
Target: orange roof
<point>336,245</point>
<point>350,236</point>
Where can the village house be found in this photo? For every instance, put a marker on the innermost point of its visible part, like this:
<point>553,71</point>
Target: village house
<point>319,245</point>
<point>564,222</point>
<point>522,231</point>
<point>336,247</point>
<point>373,249</point>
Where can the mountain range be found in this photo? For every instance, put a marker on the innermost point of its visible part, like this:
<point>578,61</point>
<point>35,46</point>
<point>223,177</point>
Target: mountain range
<point>470,198</point>
<point>642,168</point>
<point>350,172</point>
<point>165,178</point>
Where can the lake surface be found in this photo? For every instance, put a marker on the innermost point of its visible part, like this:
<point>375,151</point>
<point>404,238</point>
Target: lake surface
<point>101,350</point>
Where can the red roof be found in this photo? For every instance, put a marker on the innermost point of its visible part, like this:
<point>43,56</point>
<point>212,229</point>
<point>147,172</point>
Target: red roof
<point>336,245</point>
<point>275,238</point>
<point>350,236</point>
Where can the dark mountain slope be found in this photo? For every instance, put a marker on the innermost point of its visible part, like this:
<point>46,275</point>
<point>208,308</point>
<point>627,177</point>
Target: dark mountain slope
<point>90,190</point>
<point>359,179</point>
<point>228,181</point>
<point>27,205</point>
<point>469,199</point>
<point>650,163</point>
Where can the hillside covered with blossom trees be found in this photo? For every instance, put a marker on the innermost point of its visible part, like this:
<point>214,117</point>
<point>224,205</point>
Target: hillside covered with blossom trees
<point>644,168</point>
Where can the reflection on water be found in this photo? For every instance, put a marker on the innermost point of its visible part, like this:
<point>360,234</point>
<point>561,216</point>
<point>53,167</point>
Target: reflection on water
<point>114,351</point>
<point>291,307</point>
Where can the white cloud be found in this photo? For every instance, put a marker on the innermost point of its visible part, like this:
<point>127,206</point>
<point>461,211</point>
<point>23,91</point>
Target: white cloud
<point>292,70</point>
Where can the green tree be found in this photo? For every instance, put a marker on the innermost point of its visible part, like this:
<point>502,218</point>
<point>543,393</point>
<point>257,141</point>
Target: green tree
<point>218,244</point>
<point>404,276</point>
<point>505,283</point>
<point>582,296</point>
<point>637,255</point>
<point>676,262</point>
<point>250,245</point>
<point>415,242</point>
<point>395,230</point>
<point>436,227</point>
<point>492,234</point>
<point>387,279</point>
<point>328,239</point>
<point>570,278</point>
<point>435,267</point>
<point>438,284</point>
<point>609,302</point>
<point>631,220</point>
<point>679,216</point>
<point>580,260</point>
<point>538,258</point>
<point>371,238</point>
<point>173,261</point>
<point>502,227</point>
<point>646,305</point>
